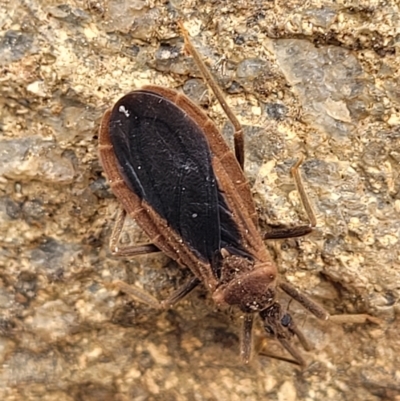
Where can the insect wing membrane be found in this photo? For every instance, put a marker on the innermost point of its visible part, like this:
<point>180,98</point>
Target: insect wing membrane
<point>165,159</point>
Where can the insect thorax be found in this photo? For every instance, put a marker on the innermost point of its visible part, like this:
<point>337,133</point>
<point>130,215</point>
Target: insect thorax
<point>246,284</point>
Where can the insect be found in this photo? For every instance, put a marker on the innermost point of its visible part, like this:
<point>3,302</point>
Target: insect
<point>174,174</point>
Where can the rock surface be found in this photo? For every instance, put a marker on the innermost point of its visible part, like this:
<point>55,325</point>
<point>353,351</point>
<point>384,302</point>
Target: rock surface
<point>318,78</point>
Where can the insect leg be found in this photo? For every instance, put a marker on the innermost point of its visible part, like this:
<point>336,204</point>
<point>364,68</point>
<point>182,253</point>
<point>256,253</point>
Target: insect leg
<point>304,300</point>
<point>136,293</point>
<point>287,232</point>
<point>293,352</point>
<point>144,297</point>
<point>358,319</point>
<point>246,339</point>
<point>319,312</point>
<point>291,232</point>
<point>268,354</point>
<point>181,292</point>
<point>280,325</point>
<point>238,136</point>
<point>129,250</point>
<point>303,195</point>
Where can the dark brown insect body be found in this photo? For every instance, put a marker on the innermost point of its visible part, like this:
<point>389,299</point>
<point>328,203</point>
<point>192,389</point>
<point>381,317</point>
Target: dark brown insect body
<point>174,174</point>
<point>256,276</point>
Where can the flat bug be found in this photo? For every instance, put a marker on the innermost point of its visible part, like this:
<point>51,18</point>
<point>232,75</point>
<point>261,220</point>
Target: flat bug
<point>174,174</point>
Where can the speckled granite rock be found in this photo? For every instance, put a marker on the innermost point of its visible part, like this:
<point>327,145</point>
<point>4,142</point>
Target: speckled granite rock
<point>313,78</point>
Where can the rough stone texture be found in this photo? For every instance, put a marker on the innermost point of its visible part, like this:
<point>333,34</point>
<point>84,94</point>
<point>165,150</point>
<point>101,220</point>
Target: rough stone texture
<point>319,78</point>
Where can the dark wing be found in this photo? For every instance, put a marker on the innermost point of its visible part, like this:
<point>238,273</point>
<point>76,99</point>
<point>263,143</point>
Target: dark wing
<point>165,159</point>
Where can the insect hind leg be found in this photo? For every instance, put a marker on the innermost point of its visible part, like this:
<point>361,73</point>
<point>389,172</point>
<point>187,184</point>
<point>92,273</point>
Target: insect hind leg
<point>238,135</point>
<point>144,297</point>
<point>131,250</point>
<point>293,232</point>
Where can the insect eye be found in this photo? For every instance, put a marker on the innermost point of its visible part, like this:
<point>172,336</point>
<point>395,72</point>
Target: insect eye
<point>286,320</point>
